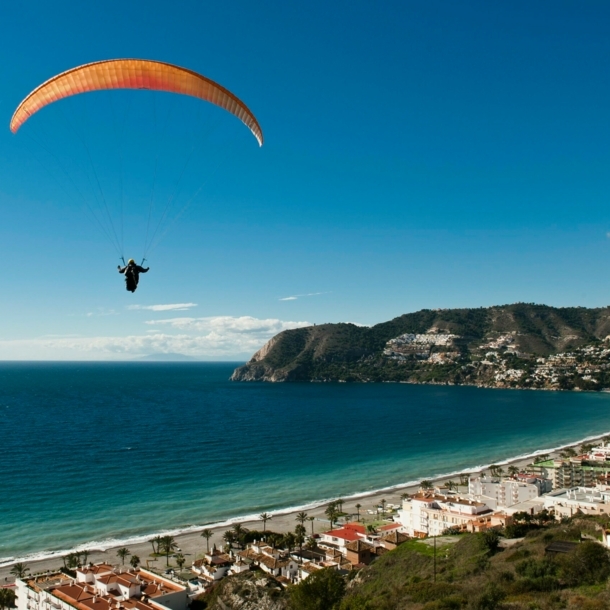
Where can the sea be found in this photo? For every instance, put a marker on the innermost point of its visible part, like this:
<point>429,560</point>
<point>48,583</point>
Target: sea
<point>98,454</point>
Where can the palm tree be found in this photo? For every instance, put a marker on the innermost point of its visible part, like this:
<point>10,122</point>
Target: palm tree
<point>72,560</point>
<point>134,561</point>
<point>299,535</point>
<point>311,520</point>
<point>339,504</point>
<point>358,507</point>
<point>513,470</point>
<point>85,554</point>
<point>180,560</point>
<point>426,485</point>
<point>288,540</point>
<point>156,540</point>
<point>238,532</point>
<point>450,485</point>
<point>167,544</point>
<point>122,553</point>
<point>19,570</point>
<point>7,598</point>
<point>229,537</point>
<point>463,479</point>
<point>264,517</point>
<point>494,470</point>
<point>301,517</point>
<point>383,503</point>
<point>332,513</point>
<point>207,534</point>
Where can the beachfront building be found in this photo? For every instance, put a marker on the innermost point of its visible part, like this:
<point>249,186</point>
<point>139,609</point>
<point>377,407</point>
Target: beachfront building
<point>101,587</point>
<point>430,514</point>
<point>580,471</point>
<point>586,500</point>
<point>502,493</point>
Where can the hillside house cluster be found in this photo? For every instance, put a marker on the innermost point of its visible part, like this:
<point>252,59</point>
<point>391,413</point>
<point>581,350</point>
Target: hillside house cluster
<point>101,587</point>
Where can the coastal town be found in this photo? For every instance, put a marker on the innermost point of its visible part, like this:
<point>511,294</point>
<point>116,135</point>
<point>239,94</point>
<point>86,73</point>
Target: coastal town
<point>502,499</point>
<point>499,361</point>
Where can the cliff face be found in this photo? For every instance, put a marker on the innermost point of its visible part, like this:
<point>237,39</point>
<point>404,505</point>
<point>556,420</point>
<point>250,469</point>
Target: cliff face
<point>246,591</point>
<point>476,346</point>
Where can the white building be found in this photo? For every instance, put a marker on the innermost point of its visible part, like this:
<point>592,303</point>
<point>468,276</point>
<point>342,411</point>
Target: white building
<point>101,587</point>
<point>587,500</point>
<point>430,514</point>
<point>499,493</point>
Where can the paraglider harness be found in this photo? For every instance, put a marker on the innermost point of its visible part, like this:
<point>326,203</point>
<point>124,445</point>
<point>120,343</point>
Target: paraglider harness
<point>131,275</point>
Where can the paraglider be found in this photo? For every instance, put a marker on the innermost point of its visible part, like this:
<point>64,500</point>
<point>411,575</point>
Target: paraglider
<point>133,74</point>
<point>132,274</point>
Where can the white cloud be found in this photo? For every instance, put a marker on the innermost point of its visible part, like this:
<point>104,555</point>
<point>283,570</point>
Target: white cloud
<point>219,337</point>
<point>169,307</point>
<point>298,296</point>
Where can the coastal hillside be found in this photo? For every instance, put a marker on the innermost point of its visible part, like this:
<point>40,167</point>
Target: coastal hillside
<point>519,345</point>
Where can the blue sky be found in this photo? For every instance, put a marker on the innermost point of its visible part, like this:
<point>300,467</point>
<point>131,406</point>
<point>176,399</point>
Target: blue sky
<point>417,154</point>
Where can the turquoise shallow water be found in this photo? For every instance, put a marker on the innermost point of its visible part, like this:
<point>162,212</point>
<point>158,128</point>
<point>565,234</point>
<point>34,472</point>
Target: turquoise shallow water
<point>97,452</point>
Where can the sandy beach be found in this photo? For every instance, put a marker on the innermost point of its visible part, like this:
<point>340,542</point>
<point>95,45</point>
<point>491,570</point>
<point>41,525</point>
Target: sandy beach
<point>192,545</point>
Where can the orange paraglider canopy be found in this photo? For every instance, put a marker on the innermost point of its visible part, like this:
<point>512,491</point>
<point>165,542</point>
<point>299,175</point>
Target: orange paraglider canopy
<point>133,74</point>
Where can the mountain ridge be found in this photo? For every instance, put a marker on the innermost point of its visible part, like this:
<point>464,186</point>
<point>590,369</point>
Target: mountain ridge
<point>458,346</point>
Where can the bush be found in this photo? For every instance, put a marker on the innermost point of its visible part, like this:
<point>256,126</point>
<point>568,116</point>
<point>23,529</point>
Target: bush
<point>426,591</point>
<point>489,599</point>
<point>536,568</point>
<point>529,585</point>
<point>587,564</point>
<point>322,590</point>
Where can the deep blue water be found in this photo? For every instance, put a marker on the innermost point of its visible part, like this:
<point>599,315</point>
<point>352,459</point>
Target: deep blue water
<point>98,451</point>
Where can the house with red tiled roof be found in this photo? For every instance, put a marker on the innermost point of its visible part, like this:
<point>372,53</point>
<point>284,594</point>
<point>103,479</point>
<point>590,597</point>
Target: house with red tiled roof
<point>337,539</point>
<point>101,587</point>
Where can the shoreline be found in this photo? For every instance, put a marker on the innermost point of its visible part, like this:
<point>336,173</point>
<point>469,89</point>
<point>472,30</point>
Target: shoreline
<point>191,543</point>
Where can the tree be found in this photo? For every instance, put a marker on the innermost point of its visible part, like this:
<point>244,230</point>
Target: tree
<point>358,507</point>
<point>19,570</point>
<point>167,544</point>
<point>383,503</point>
<point>311,520</point>
<point>122,553</point>
<point>322,590</point>
<point>288,541</point>
<point>264,517</point>
<point>238,532</point>
<point>7,598</point>
<point>339,504</point>
<point>450,485</point>
<point>207,534</point>
<point>72,560</point>
<point>332,513</point>
<point>513,470</point>
<point>300,534</point>
<point>180,560</point>
<point>85,554</point>
<point>493,469</point>
<point>157,540</point>
<point>463,479</point>
<point>301,517</point>
<point>426,485</point>
<point>134,561</point>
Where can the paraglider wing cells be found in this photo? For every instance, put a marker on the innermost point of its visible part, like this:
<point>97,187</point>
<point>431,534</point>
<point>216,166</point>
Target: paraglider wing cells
<point>133,74</point>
